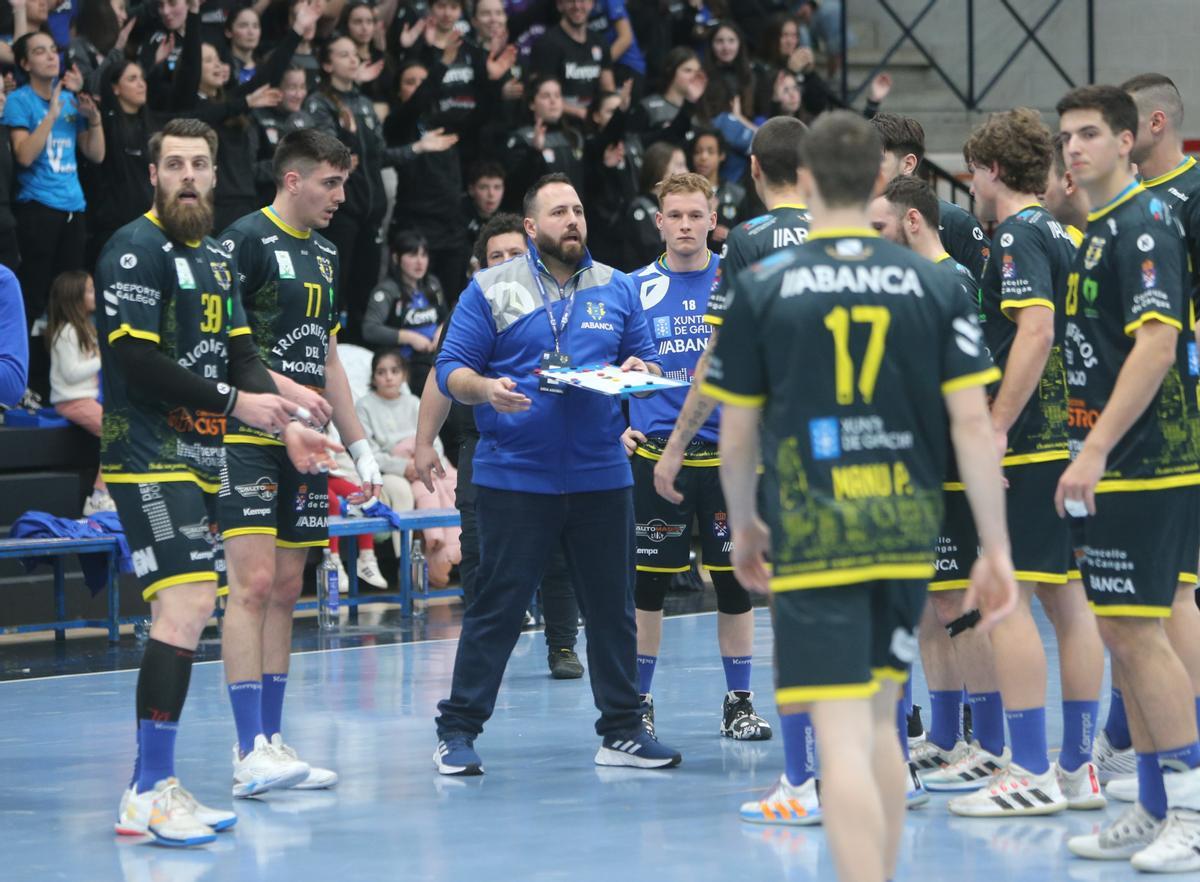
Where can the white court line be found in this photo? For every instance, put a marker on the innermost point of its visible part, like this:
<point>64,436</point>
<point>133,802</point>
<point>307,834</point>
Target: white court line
<point>217,661</point>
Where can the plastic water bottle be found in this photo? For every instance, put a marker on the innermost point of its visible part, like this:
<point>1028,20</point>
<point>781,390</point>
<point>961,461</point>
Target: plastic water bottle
<point>327,594</point>
<point>420,572</point>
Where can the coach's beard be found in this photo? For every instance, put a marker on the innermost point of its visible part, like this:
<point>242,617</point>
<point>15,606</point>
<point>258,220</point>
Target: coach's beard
<point>185,221</point>
<point>567,250</point>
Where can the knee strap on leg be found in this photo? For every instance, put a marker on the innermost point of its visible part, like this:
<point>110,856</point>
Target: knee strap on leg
<point>650,591</point>
<point>732,598</point>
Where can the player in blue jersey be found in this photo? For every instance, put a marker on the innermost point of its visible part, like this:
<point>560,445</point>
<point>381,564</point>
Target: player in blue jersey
<point>674,294</point>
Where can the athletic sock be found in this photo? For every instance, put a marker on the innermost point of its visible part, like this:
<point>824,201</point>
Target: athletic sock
<point>902,727</point>
<point>645,670</point>
<point>273,686</point>
<point>1152,793</point>
<point>1027,732</point>
<point>987,721</point>
<point>1181,758</point>
<point>246,698</point>
<point>1079,721</point>
<point>737,672</point>
<point>799,748</point>
<point>161,689</point>
<point>1116,727</point>
<point>945,717</point>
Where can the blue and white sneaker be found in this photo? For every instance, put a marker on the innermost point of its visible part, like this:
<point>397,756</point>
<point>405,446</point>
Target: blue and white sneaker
<point>455,755</point>
<point>917,795</point>
<point>639,750</point>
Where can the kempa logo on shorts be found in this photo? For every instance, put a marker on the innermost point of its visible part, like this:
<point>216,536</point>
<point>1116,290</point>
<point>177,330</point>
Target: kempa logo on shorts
<point>658,530</point>
<point>264,488</point>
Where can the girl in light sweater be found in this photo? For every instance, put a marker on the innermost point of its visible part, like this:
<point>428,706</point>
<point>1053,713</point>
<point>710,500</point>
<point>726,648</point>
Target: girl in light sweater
<point>389,417</point>
<point>75,364</point>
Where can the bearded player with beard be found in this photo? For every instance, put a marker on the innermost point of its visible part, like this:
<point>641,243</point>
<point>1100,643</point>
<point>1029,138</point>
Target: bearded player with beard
<point>549,471</point>
<point>178,361</point>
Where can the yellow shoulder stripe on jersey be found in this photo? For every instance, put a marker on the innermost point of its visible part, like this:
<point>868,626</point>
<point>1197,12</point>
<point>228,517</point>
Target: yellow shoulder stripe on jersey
<point>133,332</point>
<point>852,576</point>
<point>153,218</point>
<point>253,439</point>
<point>1076,235</point>
<point>1120,200</point>
<point>1016,459</point>
<point>1131,611</point>
<point>1124,485</point>
<point>805,694</point>
<point>799,206</point>
<point>182,579</point>
<point>1173,173</point>
<point>159,478</point>
<point>966,381</point>
<point>239,332</point>
<point>1006,305</point>
<point>942,258</point>
<point>843,233</point>
<point>1152,316</point>
<point>713,319</point>
<point>732,397</point>
<point>287,228</point>
<point>336,329</point>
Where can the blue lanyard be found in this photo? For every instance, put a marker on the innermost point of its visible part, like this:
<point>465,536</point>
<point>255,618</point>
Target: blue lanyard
<point>561,327</point>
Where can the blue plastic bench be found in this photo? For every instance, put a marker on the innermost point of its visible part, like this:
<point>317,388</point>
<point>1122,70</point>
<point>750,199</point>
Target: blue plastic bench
<point>56,550</point>
<point>410,520</point>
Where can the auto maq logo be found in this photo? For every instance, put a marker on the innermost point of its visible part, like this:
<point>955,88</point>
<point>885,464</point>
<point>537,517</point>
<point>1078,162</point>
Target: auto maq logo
<point>264,488</point>
<point>657,530</point>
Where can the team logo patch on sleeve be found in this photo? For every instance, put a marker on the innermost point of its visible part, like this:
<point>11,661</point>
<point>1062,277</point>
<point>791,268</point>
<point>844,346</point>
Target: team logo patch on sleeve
<point>1149,275</point>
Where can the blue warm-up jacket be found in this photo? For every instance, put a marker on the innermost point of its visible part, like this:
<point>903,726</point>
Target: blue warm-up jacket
<point>568,443</point>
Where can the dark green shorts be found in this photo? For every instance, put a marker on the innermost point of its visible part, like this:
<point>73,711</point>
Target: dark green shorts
<point>1137,548</point>
<point>262,493</point>
<point>833,643</point>
<point>172,532</point>
<point>1041,540</point>
<point>957,545</point>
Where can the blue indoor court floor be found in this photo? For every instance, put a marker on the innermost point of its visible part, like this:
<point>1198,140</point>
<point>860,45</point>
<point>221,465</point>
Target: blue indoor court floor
<point>543,811</point>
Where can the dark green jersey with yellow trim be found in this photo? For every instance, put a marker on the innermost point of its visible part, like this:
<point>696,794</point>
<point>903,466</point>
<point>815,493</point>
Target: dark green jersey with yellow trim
<point>1133,268</point>
<point>1031,258</point>
<point>848,344</point>
<point>784,226</point>
<point>960,278</point>
<point>183,297</point>
<point>1180,189</point>
<point>287,280</point>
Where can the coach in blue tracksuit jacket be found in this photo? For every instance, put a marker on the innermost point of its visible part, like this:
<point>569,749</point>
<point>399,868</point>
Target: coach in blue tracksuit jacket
<point>549,469</point>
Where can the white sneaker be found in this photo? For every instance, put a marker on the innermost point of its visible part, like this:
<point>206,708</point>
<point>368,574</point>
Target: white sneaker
<point>264,769</point>
<point>98,501</point>
<point>971,768</point>
<point>368,570</point>
<point>786,805</point>
<point>131,824</point>
<point>1012,793</point>
<point>928,757</point>
<point>1122,789</point>
<point>318,778</point>
<point>1110,762</point>
<point>1176,848</point>
<point>1081,787</point>
<point>165,813</point>
<point>1133,830</point>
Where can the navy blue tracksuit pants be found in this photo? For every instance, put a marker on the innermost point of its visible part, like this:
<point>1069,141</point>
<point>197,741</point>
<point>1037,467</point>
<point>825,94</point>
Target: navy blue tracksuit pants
<point>517,533</point>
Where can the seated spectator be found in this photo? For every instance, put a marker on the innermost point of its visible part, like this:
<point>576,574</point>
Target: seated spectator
<point>408,308</point>
<point>389,416</point>
<point>485,192</point>
<point>244,33</point>
<point>643,241</point>
<point>75,365</point>
<point>367,567</point>
<point>708,154</point>
<point>551,144</point>
<point>14,340</point>
<point>728,61</point>
<point>668,115</point>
